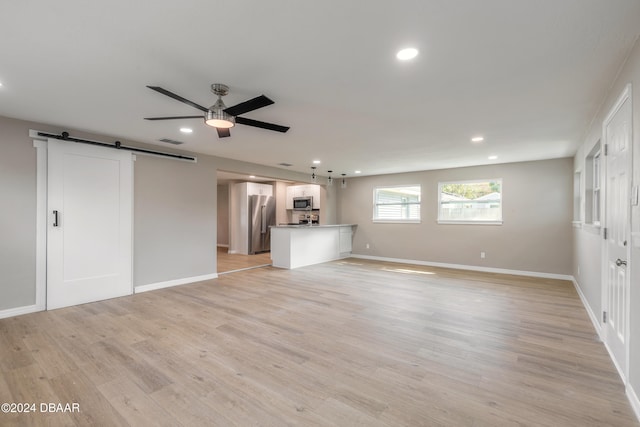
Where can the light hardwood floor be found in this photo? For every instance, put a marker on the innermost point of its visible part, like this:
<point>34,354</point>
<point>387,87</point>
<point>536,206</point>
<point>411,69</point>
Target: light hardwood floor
<point>344,343</point>
<point>233,262</point>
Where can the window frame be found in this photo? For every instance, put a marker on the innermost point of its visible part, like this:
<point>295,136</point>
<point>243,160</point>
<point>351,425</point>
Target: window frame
<point>397,220</point>
<point>472,221</point>
<point>577,196</point>
<point>593,169</point>
<point>596,193</point>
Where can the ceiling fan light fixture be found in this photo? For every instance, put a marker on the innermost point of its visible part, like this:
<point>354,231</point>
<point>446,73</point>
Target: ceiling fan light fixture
<point>219,119</point>
<point>216,116</point>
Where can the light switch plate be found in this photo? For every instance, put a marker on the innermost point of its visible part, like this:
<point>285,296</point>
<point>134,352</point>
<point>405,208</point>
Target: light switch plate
<point>634,195</point>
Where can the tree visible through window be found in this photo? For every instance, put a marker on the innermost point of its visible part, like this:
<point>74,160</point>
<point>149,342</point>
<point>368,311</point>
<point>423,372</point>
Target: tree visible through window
<point>470,201</point>
<point>400,203</point>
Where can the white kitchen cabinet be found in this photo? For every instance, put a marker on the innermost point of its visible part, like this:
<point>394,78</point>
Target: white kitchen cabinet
<point>346,236</point>
<point>290,195</point>
<point>312,190</point>
<point>306,190</point>
<point>260,189</point>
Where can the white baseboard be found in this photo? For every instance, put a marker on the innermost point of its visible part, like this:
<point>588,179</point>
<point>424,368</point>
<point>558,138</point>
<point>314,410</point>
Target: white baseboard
<point>468,267</point>
<point>633,399</point>
<point>594,319</point>
<point>621,374</point>
<point>631,395</point>
<point>176,282</point>
<point>10,312</point>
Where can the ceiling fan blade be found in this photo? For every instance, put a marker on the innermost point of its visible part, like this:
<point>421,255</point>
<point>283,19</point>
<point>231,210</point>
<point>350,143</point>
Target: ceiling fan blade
<point>263,125</point>
<point>223,132</point>
<point>178,98</point>
<point>174,118</point>
<point>250,105</point>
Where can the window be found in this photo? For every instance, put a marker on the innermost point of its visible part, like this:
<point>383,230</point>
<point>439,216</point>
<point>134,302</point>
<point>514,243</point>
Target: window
<point>474,202</point>
<point>596,189</point>
<point>592,181</point>
<point>396,204</point>
<point>577,197</point>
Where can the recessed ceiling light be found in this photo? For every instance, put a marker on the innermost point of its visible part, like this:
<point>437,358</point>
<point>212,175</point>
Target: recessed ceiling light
<point>186,130</point>
<point>316,162</point>
<point>406,54</point>
<point>252,176</point>
<point>493,157</point>
<point>358,172</point>
<point>477,139</point>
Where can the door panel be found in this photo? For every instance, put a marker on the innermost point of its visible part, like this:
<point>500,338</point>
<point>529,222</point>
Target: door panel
<point>89,249</point>
<point>617,133</point>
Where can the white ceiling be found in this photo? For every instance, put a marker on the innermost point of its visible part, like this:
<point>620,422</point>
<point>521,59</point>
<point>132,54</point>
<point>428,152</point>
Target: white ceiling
<point>528,75</point>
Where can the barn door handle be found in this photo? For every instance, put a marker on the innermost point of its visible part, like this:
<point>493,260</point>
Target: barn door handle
<point>620,262</point>
<point>55,218</point>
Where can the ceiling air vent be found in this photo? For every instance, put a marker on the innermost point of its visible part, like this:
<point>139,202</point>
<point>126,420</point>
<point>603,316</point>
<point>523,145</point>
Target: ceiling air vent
<point>171,141</point>
<point>285,164</point>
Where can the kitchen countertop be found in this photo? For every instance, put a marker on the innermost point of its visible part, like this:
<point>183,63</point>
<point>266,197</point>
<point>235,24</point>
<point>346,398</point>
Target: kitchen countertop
<point>312,226</point>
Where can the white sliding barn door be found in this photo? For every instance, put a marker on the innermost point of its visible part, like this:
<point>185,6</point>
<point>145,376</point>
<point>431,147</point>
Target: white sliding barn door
<point>89,223</point>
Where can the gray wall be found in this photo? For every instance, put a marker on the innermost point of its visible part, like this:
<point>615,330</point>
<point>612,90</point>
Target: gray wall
<point>587,241</point>
<point>17,215</point>
<point>535,235</point>
<point>280,193</point>
<point>174,219</point>
<point>223,214</point>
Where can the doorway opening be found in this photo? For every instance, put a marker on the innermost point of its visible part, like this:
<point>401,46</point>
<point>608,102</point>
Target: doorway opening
<point>237,247</point>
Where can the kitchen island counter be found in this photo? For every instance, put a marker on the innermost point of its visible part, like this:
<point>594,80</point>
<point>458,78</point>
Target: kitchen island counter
<point>294,246</point>
<point>312,226</point>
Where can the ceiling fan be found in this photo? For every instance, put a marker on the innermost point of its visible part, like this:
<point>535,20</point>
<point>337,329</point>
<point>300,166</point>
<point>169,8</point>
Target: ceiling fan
<point>219,115</point>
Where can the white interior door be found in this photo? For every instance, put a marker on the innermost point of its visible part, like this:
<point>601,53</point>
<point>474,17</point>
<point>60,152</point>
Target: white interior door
<point>617,135</point>
<point>89,200</point>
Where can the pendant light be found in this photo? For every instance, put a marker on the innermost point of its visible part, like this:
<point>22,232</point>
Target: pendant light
<point>314,178</point>
<point>343,184</point>
<point>330,180</point>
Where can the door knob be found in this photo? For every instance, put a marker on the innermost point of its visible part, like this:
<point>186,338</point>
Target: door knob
<point>620,262</point>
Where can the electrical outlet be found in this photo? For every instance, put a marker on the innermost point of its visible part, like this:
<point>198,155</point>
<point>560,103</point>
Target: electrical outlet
<point>367,246</point>
<point>482,254</point>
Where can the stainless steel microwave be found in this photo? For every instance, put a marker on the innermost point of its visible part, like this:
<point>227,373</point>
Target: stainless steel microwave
<point>302,203</point>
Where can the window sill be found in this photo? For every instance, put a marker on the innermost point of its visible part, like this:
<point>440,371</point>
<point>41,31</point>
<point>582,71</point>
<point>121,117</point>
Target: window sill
<point>396,221</point>
<point>591,228</point>
<point>470,222</point>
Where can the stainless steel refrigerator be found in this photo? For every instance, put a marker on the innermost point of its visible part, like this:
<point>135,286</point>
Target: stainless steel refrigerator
<point>262,214</point>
